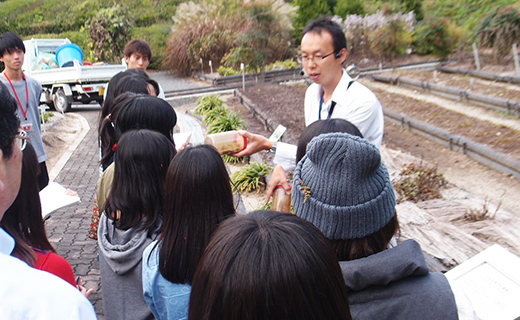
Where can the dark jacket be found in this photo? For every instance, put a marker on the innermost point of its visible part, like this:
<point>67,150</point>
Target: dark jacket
<point>397,284</point>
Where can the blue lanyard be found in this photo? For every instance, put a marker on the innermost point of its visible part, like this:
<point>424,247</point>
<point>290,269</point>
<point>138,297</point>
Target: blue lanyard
<point>331,109</point>
<point>332,105</point>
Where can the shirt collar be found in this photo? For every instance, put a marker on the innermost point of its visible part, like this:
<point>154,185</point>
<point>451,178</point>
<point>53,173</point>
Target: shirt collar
<point>6,243</point>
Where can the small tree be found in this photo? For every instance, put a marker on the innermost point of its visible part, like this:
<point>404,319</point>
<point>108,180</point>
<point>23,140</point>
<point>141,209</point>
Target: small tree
<point>109,32</point>
<point>435,37</point>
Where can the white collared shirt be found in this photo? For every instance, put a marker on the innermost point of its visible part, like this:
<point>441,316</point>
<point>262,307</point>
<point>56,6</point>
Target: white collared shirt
<point>28,293</point>
<point>356,104</point>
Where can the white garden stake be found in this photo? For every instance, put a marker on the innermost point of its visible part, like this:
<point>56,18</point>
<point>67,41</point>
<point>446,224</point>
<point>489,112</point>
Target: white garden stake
<point>515,56</point>
<point>475,53</point>
<point>243,68</point>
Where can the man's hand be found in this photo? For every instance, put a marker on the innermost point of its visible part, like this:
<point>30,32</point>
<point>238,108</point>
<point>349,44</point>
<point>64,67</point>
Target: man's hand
<point>278,177</point>
<point>256,143</point>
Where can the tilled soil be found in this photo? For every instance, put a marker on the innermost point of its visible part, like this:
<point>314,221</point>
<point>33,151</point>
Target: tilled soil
<point>285,103</point>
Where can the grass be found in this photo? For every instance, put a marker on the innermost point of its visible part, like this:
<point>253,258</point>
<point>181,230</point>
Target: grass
<point>248,179</point>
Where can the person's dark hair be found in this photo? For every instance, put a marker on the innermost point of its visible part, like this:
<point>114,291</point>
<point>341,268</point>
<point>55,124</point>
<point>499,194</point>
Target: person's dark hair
<point>114,90</point>
<point>9,122</point>
<point>10,41</point>
<point>323,126</point>
<point>155,86</point>
<point>135,111</point>
<point>138,46</point>
<point>23,220</point>
<point>378,241</point>
<point>198,197</point>
<point>268,265</point>
<point>137,192</point>
<point>339,41</point>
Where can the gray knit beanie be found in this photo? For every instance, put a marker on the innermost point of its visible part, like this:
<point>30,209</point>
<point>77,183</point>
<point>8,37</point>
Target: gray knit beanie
<point>342,187</point>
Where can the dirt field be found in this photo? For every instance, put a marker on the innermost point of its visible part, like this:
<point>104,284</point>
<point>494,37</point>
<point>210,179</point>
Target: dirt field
<point>472,187</point>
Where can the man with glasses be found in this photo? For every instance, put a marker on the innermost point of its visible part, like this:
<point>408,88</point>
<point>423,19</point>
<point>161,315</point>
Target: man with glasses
<point>25,292</point>
<point>26,91</point>
<point>334,94</point>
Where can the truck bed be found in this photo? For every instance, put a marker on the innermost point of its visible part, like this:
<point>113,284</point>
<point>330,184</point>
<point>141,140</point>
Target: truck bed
<point>76,74</point>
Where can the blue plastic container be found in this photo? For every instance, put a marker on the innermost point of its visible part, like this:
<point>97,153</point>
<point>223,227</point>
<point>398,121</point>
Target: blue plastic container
<point>67,53</point>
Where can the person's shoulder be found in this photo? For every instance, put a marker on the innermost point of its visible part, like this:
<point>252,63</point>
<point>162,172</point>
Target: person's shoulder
<point>33,82</point>
<point>35,294</point>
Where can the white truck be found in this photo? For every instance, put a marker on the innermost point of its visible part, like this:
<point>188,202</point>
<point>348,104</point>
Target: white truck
<point>73,82</point>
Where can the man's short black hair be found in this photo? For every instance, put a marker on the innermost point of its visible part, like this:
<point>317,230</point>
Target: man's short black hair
<point>9,122</point>
<point>138,46</point>
<point>339,41</point>
<point>10,41</point>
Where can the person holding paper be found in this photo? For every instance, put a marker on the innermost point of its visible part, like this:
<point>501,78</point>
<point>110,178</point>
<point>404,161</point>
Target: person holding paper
<point>25,292</point>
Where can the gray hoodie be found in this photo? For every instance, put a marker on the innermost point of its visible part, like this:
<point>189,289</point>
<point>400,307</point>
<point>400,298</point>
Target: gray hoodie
<point>120,261</point>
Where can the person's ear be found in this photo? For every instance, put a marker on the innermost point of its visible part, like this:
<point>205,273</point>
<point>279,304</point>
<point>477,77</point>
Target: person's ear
<point>127,58</point>
<point>342,55</point>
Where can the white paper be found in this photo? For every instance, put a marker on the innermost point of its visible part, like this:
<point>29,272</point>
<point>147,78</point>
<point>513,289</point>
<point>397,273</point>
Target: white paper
<point>491,280</point>
<point>54,197</point>
<point>181,138</point>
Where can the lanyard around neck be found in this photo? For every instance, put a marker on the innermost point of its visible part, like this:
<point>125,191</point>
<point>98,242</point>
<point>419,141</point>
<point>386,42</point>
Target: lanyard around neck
<point>16,95</point>
<point>332,104</point>
<point>331,109</point>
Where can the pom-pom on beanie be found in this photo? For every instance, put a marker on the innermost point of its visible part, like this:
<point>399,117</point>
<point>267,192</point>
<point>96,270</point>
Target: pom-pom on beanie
<point>342,187</point>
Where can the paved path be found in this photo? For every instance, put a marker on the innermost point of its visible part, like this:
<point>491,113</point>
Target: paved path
<point>67,228</point>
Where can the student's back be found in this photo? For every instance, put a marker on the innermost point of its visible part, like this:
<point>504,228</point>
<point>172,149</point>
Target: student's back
<point>132,220</point>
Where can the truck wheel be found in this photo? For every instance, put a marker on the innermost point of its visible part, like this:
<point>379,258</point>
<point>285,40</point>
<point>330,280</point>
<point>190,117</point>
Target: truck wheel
<point>61,102</point>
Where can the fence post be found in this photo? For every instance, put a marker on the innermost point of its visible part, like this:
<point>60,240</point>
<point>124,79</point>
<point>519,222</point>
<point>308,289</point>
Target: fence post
<point>202,65</point>
<point>243,68</point>
<point>211,66</point>
<point>475,53</point>
<point>515,56</point>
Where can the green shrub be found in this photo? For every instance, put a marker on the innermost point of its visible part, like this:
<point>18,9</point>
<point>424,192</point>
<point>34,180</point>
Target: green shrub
<point>500,30</point>
<point>344,8</point>
<point>214,114</point>
<point>242,32</point>
<point>227,71</point>
<point>109,32</point>
<point>247,179</point>
<point>285,64</point>
<point>435,37</point>
<point>207,103</point>
<point>227,121</point>
<point>391,40</point>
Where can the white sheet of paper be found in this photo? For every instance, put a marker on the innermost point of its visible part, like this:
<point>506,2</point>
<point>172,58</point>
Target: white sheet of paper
<point>181,138</point>
<point>54,197</point>
<point>491,280</point>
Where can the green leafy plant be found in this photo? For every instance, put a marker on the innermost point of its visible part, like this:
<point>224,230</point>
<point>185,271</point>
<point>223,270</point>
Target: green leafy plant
<point>247,179</point>
<point>215,114</point>
<point>109,31</point>
<point>227,71</point>
<point>391,40</point>
<point>417,182</point>
<point>499,30</point>
<point>229,121</point>
<point>208,103</point>
<point>436,37</point>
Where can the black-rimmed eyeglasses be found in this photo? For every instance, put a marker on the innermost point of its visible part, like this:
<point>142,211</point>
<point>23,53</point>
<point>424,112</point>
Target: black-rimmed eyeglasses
<point>305,58</point>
